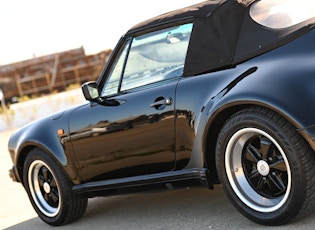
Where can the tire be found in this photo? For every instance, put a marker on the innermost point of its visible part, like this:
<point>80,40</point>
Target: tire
<point>50,191</point>
<point>265,167</point>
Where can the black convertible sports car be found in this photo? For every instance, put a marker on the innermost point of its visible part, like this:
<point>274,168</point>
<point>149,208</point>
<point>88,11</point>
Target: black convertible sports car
<point>218,92</point>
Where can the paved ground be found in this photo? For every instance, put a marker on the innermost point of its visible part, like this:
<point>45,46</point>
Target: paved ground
<point>184,209</point>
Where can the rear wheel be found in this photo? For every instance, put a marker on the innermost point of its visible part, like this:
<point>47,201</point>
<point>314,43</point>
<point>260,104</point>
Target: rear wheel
<point>50,191</point>
<point>265,166</point>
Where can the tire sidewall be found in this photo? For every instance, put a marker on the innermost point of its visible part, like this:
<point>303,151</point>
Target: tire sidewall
<point>63,187</point>
<point>295,199</point>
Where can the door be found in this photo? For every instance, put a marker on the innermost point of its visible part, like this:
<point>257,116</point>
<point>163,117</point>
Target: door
<point>129,139</point>
<point>130,130</point>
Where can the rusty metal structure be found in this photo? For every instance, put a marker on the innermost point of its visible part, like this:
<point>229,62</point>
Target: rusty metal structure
<point>50,73</point>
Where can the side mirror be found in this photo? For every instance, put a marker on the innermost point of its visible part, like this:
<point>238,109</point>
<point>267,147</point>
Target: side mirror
<point>174,38</point>
<point>91,91</point>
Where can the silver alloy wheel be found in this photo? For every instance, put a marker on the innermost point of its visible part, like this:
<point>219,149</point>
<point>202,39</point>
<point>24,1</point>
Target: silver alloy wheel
<point>44,188</point>
<point>258,170</point>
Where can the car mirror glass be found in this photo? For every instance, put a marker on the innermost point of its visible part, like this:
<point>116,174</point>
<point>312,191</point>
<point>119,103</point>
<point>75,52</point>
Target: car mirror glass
<point>90,91</point>
<point>174,38</point>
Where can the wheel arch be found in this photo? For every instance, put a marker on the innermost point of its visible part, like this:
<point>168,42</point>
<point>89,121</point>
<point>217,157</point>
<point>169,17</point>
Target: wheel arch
<point>219,117</point>
<point>214,125</point>
<point>23,153</point>
<point>43,134</point>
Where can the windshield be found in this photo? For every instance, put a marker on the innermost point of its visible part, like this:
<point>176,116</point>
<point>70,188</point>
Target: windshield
<point>279,14</point>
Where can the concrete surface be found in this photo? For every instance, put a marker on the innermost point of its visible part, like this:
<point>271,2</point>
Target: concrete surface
<point>183,209</point>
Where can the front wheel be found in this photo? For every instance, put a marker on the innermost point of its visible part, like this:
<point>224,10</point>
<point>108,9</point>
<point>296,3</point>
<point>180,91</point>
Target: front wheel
<point>266,168</point>
<point>50,191</point>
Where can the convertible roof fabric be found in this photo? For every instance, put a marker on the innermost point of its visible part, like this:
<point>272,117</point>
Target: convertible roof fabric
<point>223,34</point>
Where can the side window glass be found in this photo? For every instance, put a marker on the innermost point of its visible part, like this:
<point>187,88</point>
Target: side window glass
<point>156,56</point>
<point>112,82</point>
<point>282,13</point>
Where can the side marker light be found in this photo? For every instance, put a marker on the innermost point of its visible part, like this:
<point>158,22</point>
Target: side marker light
<point>60,132</point>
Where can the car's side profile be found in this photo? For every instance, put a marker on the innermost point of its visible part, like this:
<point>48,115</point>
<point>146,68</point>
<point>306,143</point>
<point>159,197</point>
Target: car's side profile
<point>218,92</point>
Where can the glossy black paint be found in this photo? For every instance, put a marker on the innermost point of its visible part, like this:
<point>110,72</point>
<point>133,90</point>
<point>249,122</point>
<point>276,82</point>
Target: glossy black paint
<point>135,144</point>
<point>130,139</point>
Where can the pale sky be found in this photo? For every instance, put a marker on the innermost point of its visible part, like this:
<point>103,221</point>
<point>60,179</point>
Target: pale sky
<point>39,27</point>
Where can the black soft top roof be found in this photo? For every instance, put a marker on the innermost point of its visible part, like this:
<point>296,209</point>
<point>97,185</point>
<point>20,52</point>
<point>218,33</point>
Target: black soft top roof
<point>223,34</point>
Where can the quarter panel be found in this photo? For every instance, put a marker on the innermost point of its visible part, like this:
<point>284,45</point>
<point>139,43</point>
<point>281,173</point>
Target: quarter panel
<point>282,80</point>
<point>196,96</point>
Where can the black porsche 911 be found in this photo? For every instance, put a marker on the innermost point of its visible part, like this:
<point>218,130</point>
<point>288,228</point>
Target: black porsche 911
<point>218,92</point>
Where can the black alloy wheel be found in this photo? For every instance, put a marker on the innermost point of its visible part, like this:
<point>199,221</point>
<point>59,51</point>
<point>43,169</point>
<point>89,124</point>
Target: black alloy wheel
<point>265,166</point>
<point>50,190</point>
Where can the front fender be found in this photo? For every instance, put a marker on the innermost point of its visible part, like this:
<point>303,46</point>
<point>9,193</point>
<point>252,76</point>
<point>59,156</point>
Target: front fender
<point>43,134</point>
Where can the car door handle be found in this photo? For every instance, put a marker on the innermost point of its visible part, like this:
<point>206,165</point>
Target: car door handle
<point>161,102</point>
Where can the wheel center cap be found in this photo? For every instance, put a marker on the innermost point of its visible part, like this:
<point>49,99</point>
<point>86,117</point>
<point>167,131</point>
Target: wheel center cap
<point>263,168</point>
<point>46,187</point>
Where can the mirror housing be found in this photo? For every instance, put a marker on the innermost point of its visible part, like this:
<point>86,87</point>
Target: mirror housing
<point>91,91</point>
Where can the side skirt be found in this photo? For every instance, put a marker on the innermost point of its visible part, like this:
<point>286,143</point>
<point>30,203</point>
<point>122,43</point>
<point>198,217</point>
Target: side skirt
<point>153,182</point>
